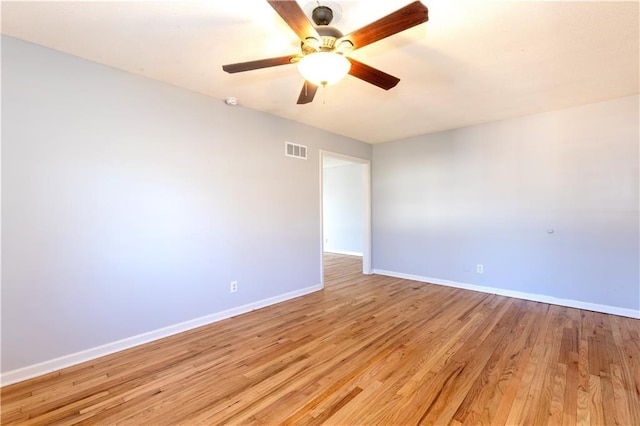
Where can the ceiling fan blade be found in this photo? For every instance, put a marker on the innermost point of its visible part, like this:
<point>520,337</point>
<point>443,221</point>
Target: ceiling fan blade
<point>372,75</point>
<point>294,16</point>
<point>402,19</point>
<point>307,93</point>
<point>261,63</point>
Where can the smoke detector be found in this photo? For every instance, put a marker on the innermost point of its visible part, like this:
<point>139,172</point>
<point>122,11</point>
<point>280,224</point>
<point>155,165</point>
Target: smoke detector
<point>231,101</point>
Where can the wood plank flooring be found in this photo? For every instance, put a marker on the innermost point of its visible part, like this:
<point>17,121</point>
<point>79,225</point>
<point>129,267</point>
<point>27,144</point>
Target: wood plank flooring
<point>365,350</point>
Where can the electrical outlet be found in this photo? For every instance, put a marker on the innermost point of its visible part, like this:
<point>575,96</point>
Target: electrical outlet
<point>480,268</point>
<point>234,286</point>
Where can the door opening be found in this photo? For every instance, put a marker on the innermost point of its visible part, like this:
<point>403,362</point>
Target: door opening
<point>345,208</point>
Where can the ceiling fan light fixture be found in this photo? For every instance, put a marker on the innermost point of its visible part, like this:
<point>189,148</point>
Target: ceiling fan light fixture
<point>324,68</point>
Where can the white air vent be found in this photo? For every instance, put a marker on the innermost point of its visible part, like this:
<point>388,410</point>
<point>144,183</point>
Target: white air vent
<point>295,150</point>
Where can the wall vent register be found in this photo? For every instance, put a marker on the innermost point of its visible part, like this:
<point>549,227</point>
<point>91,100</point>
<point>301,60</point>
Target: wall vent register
<point>295,150</point>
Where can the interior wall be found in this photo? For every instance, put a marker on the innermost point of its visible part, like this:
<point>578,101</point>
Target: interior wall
<point>343,208</point>
<point>548,204</point>
<point>129,205</point>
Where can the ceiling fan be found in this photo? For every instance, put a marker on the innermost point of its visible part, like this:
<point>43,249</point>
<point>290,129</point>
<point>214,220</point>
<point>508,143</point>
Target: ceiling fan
<point>324,57</point>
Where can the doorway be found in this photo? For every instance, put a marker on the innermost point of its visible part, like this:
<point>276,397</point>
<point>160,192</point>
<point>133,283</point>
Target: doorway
<point>345,208</point>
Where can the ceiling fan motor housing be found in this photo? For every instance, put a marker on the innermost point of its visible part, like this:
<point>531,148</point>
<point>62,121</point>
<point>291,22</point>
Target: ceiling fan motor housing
<point>327,43</point>
<point>322,16</point>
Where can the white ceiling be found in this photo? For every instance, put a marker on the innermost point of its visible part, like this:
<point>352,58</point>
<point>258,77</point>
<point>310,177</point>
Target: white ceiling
<point>473,62</point>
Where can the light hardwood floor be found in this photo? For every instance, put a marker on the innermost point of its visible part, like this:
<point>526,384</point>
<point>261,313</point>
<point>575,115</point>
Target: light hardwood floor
<point>366,350</point>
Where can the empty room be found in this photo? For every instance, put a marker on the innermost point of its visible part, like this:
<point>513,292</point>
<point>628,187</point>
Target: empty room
<point>339,212</point>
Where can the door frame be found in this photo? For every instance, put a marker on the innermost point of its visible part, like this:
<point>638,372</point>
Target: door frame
<point>366,188</point>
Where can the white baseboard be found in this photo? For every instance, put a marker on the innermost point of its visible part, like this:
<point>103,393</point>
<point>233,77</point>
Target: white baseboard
<point>46,367</point>
<point>606,309</point>
<point>347,252</point>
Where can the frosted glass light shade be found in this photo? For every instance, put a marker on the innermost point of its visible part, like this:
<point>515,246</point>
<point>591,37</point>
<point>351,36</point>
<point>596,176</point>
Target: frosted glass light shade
<point>324,68</point>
